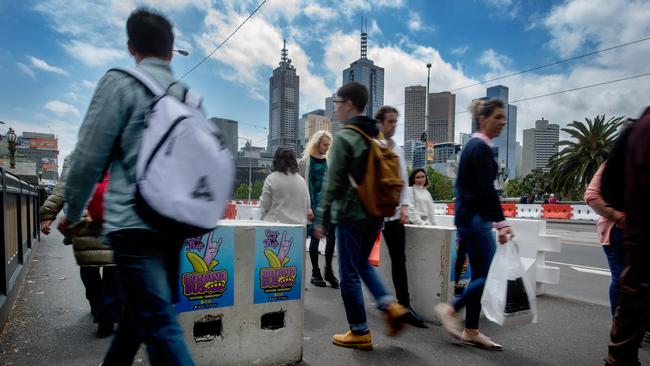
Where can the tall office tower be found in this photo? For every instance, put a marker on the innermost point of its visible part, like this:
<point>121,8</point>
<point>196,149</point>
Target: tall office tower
<point>414,111</point>
<point>367,73</point>
<point>284,88</point>
<point>329,112</point>
<point>230,131</point>
<point>442,117</point>
<point>415,153</point>
<point>539,145</point>
<point>506,143</point>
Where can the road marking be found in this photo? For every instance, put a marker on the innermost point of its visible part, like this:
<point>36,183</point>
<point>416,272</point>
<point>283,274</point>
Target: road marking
<point>586,269</point>
<point>580,243</point>
<point>594,271</point>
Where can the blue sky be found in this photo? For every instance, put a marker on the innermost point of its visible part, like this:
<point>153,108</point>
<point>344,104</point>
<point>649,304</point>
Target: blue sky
<point>53,52</point>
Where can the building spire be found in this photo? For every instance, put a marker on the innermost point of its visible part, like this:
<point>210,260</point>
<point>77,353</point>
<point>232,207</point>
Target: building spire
<point>285,53</point>
<point>364,38</point>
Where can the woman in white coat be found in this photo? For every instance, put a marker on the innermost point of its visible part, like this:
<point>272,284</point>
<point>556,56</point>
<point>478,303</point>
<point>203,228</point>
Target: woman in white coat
<point>421,210</point>
<point>284,197</point>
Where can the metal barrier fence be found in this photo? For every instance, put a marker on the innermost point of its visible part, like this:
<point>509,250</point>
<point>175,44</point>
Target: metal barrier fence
<point>20,233</point>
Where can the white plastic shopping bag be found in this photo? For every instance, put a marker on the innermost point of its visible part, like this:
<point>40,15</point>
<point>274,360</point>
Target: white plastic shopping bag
<point>508,297</point>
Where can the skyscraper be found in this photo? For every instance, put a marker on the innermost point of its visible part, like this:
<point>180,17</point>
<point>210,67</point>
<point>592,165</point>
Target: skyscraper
<point>414,111</point>
<point>329,112</point>
<point>230,131</point>
<point>539,144</point>
<point>442,117</point>
<point>367,73</point>
<point>284,87</point>
<point>506,143</point>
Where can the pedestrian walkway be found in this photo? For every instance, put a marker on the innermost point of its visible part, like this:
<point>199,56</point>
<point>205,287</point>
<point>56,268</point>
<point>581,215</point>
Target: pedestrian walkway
<point>51,325</point>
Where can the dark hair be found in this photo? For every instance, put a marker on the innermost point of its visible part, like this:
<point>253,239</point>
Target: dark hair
<point>412,177</point>
<point>485,108</point>
<point>355,92</point>
<point>150,33</point>
<point>284,161</point>
<point>612,185</point>
<point>383,111</point>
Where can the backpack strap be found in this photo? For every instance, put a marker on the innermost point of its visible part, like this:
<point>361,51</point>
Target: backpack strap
<point>143,78</point>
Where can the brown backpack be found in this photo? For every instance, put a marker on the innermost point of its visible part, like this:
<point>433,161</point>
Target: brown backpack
<point>381,186</point>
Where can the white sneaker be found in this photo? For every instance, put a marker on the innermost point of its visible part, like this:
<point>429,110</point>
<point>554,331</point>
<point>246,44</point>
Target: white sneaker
<point>481,341</point>
<point>450,322</point>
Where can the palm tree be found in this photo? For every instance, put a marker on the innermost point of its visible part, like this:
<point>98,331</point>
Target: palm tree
<point>572,168</point>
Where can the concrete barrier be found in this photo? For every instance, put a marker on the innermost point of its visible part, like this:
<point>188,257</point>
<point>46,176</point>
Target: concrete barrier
<point>532,211</point>
<point>557,212</point>
<point>440,208</point>
<point>247,309</point>
<point>584,212</point>
<point>428,264</point>
<point>248,212</point>
<point>533,242</point>
<point>509,209</point>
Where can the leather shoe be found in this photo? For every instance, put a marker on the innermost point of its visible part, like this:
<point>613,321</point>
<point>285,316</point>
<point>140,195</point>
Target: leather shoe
<point>353,340</point>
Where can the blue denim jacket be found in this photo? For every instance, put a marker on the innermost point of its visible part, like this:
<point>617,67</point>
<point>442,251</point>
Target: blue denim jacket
<point>110,135</point>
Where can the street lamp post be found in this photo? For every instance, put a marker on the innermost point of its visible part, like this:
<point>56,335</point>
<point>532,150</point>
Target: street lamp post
<point>11,141</point>
<point>249,144</point>
<point>426,118</point>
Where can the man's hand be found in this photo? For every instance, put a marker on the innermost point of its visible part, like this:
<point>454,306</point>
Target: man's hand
<point>505,233</point>
<point>45,226</point>
<point>310,214</point>
<point>318,233</point>
<point>64,225</point>
<point>621,222</point>
<point>404,215</point>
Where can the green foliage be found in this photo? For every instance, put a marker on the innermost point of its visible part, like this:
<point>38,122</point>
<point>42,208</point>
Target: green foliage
<point>441,187</point>
<point>241,193</point>
<point>513,188</point>
<point>573,167</point>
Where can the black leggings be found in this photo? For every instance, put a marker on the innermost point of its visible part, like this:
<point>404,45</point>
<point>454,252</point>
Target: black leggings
<point>329,251</point>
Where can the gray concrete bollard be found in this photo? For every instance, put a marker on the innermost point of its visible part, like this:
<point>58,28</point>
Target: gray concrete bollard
<point>242,294</point>
<point>429,265</point>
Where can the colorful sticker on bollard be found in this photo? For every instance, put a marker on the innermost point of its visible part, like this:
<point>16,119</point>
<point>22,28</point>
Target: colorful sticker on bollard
<point>207,271</point>
<point>278,264</point>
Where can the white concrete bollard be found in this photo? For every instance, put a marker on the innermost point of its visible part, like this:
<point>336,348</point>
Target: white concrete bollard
<point>248,212</point>
<point>584,212</point>
<point>245,304</point>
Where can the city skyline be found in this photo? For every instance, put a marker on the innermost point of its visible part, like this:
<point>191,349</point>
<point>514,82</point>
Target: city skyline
<point>60,52</point>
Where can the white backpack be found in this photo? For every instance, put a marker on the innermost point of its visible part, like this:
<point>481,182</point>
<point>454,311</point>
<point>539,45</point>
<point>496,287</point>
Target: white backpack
<point>184,171</point>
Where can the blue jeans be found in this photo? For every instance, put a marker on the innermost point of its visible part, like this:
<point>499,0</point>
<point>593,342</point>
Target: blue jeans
<point>616,258</point>
<point>354,243</point>
<point>148,264</point>
<point>478,239</point>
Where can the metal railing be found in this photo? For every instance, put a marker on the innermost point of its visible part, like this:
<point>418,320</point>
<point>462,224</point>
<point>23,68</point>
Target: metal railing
<point>20,233</point>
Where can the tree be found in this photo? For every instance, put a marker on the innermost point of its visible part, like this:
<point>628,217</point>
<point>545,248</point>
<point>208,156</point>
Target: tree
<point>513,188</point>
<point>441,187</point>
<point>241,193</point>
<point>573,167</point>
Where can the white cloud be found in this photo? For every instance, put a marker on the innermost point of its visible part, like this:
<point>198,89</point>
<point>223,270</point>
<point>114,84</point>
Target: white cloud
<point>460,51</point>
<point>26,70</point>
<point>319,13</point>
<point>252,53</point>
<point>61,108</point>
<point>92,55</point>
<point>494,61</point>
<point>414,23</point>
<point>87,84</point>
<point>43,65</point>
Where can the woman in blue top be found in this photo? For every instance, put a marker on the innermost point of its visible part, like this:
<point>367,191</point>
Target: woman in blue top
<point>478,209</point>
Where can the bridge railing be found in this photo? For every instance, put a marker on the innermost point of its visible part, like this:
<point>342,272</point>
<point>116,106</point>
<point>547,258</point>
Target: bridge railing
<point>20,233</point>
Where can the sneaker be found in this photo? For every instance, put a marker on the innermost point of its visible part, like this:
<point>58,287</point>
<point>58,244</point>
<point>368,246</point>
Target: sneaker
<point>395,315</point>
<point>449,319</point>
<point>480,341</point>
<point>353,340</point>
<point>329,277</point>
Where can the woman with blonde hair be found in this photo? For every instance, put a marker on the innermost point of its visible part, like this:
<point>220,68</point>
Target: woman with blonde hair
<point>313,169</point>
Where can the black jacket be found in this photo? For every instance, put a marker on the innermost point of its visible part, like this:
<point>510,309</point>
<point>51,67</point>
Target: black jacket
<point>475,193</point>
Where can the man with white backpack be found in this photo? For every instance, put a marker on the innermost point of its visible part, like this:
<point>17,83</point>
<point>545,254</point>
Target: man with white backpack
<point>164,157</point>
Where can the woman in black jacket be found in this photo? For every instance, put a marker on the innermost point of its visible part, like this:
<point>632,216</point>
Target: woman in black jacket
<point>478,209</point>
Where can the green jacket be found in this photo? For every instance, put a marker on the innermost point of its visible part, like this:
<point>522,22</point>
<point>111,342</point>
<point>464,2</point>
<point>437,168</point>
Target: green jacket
<point>339,203</point>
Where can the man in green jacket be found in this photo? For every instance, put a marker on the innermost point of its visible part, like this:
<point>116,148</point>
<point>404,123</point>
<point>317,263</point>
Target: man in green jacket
<point>356,230</point>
